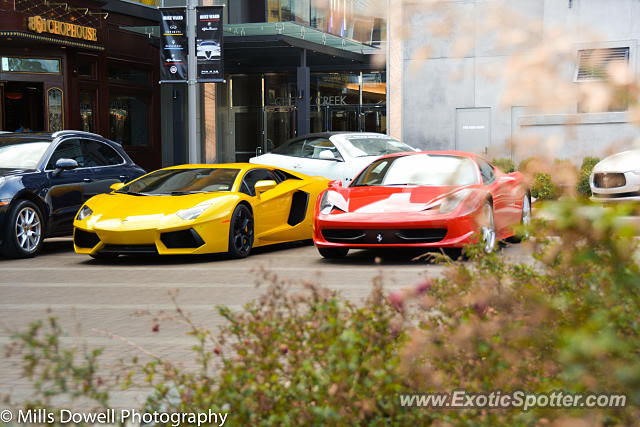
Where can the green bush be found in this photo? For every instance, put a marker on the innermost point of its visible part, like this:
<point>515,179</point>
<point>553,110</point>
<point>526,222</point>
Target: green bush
<point>543,187</point>
<point>568,324</point>
<point>586,168</point>
<point>506,165</point>
<point>294,359</point>
<point>304,355</point>
<point>522,166</point>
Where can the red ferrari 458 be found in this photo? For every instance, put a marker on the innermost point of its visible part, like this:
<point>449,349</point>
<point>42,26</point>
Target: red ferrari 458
<point>442,199</point>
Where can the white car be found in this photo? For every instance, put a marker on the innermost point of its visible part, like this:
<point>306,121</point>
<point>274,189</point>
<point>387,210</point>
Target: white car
<point>208,50</point>
<point>332,155</point>
<point>617,178</point>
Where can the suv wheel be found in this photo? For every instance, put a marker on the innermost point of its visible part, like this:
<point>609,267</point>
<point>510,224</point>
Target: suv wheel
<point>24,232</point>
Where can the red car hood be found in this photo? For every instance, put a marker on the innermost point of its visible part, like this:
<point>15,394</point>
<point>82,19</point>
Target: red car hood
<point>392,199</point>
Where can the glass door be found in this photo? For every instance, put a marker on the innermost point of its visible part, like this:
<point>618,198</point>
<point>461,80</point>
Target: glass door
<point>373,118</point>
<point>279,126</point>
<point>343,118</point>
<point>247,132</point>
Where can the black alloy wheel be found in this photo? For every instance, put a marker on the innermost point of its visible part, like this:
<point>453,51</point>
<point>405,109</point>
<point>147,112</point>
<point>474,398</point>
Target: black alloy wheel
<point>241,232</point>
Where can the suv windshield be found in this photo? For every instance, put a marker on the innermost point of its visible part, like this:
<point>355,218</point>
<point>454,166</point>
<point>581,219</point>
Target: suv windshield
<point>183,181</point>
<point>419,169</point>
<point>18,153</point>
<point>371,145</point>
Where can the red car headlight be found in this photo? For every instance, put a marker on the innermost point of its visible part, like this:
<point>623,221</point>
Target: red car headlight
<point>332,200</point>
<point>450,202</point>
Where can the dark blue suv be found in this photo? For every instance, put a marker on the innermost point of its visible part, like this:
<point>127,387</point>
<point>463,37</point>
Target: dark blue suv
<point>44,180</point>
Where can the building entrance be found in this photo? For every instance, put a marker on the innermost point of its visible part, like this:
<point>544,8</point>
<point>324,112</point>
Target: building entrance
<point>22,106</point>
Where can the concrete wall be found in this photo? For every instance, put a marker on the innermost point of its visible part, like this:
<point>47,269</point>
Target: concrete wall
<point>450,64</point>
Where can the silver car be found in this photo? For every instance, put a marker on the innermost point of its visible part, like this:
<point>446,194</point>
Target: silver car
<point>617,178</point>
<point>333,155</point>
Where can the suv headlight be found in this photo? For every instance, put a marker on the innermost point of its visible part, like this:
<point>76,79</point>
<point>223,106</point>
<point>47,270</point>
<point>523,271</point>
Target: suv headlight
<point>194,212</point>
<point>85,212</point>
<point>332,200</point>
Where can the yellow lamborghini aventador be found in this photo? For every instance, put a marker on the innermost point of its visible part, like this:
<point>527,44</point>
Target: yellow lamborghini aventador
<point>196,209</point>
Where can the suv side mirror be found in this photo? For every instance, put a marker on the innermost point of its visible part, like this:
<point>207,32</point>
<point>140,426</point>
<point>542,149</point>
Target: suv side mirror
<point>265,185</point>
<point>64,165</point>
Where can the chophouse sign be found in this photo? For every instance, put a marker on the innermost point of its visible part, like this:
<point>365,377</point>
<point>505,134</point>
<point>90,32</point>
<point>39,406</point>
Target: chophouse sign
<point>42,25</point>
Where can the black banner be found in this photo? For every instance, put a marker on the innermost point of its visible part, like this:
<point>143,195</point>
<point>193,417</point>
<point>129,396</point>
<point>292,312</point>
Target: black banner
<point>174,49</point>
<point>209,44</point>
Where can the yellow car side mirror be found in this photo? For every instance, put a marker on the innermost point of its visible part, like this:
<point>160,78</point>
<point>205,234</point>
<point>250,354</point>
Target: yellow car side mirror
<point>117,186</point>
<point>265,185</point>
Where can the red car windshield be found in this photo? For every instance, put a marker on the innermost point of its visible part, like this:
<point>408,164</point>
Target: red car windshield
<point>419,169</point>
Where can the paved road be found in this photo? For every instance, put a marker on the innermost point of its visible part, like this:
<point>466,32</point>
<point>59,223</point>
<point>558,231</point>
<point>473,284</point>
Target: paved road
<point>89,295</point>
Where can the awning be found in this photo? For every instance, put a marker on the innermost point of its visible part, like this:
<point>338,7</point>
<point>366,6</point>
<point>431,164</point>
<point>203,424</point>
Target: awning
<point>276,46</point>
<point>23,35</point>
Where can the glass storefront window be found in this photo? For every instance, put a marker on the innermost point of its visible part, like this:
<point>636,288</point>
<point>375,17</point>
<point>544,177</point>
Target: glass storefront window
<point>129,120</point>
<point>361,20</point>
<point>86,68</point>
<point>246,91</point>
<point>288,10</point>
<point>128,75</point>
<point>87,103</point>
<point>374,88</point>
<point>30,65</point>
<point>54,105</point>
<point>335,89</point>
<point>280,89</point>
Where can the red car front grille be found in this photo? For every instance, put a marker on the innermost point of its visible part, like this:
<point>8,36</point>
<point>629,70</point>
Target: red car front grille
<point>384,237</point>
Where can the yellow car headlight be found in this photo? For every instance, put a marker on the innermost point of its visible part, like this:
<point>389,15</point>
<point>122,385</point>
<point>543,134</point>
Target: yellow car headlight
<point>85,212</point>
<point>194,212</point>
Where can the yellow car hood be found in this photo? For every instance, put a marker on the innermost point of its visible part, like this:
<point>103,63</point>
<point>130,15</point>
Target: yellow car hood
<point>125,211</point>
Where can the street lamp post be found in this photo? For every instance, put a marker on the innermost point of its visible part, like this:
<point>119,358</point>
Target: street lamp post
<point>191,82</point>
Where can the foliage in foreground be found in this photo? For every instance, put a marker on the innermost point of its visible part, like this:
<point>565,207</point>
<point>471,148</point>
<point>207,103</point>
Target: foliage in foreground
<point>302,354</point>
<point>568,323</point>
<point>588,163</point>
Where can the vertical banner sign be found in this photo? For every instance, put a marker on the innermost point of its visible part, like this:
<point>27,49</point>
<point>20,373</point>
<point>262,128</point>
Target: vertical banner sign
<point>173,43</point>
<point>209,44</point>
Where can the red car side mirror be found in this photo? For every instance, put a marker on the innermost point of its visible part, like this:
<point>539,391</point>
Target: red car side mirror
<point>335,183</point>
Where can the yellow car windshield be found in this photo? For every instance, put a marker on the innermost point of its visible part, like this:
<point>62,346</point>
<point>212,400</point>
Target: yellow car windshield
<point>182,181</point>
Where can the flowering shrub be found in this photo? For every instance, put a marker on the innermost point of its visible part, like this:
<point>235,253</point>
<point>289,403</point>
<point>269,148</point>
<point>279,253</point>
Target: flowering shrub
<point>303,355</point>
<point>309,358</point>
<point>567,322</point>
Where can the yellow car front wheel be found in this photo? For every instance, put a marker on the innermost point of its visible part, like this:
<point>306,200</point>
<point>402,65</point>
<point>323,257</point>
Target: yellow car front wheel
<point>241,232</point>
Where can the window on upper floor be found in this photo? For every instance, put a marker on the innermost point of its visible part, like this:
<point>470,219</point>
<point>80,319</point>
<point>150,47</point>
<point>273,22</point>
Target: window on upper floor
<point>593,67</point>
